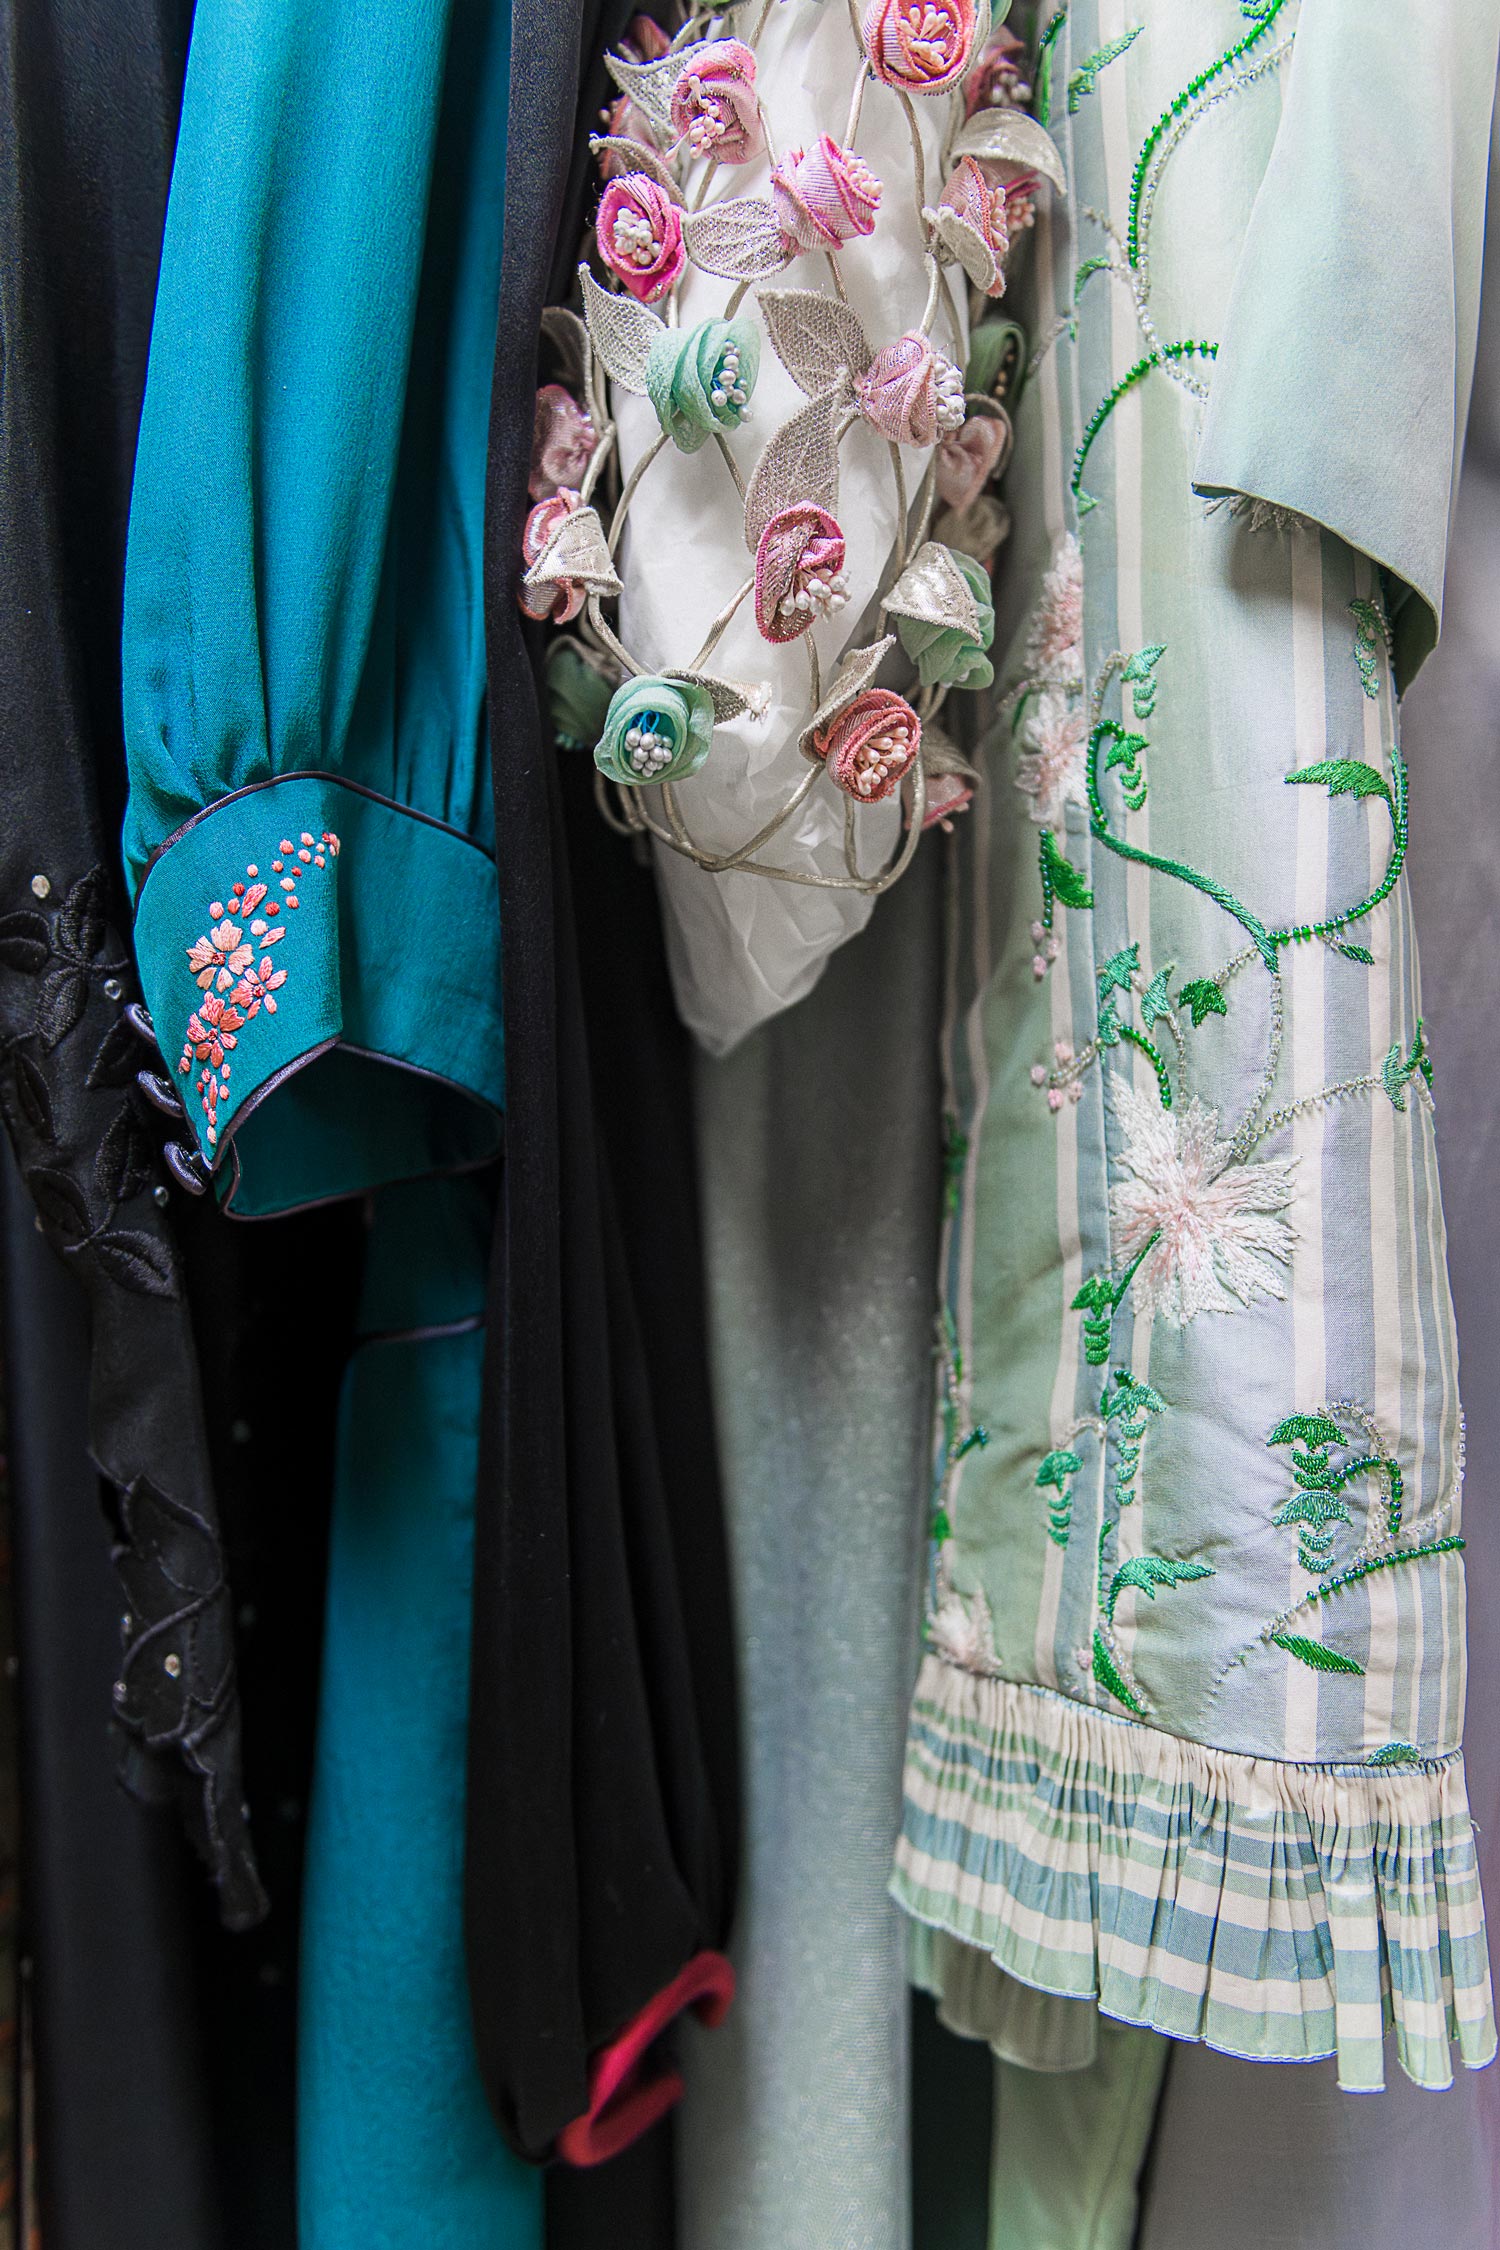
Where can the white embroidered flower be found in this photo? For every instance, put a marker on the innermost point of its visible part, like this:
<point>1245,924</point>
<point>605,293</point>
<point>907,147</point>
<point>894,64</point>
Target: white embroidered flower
<point>962,1630</point>
<point>1054,645</point>
<point>1219,1239</point>
<point>1050,770</point>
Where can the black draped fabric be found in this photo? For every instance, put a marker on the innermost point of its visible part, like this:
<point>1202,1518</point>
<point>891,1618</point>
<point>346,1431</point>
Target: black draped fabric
<point>89,97</point>
<point>602,1828</point>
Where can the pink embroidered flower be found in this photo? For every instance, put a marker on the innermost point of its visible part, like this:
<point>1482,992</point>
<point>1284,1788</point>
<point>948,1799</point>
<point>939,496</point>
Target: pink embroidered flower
<point>824,196</point>
<point>714,108</point>
<point>563,598</point>
<point>871,745</point>
<point>799,571</point>
<point>211,1030</point>
<point>968,458</point>
<point>1050,770</point>
<point>999,80</point>
<point>911,393</point>
<point>1054,643</point>
<point>255,989</point>
<point>971,223</point>
<point>562,442</point>
<point>219,957</point>
<point>919,46</point>
<point>640,236</point>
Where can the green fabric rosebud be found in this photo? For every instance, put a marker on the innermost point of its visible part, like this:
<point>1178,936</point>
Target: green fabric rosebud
<point>655,730</point>
<point>944,655</point>
<point>577,697</point>
<point>700,379</point>
<point>995,345</point>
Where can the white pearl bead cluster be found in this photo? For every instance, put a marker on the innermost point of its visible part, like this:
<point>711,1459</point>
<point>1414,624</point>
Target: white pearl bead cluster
<point>648,751</point>
<point>635,239</point>
<point>823,596</point>
<point>728,389</point>
<point>878,761</point>
<point>949,386</point>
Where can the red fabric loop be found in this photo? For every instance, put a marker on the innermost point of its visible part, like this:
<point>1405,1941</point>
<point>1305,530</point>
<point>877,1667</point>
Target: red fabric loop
<point>625,2099</point>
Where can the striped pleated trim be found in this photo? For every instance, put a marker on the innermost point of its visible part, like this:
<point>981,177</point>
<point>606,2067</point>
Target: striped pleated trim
<point>1275,1911</point>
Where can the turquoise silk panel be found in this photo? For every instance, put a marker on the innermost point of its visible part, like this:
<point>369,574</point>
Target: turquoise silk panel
<point>1187,1734</point>
<point>307,837</point>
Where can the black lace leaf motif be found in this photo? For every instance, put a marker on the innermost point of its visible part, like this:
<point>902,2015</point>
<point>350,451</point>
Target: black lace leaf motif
<point>32,1096</point>
<point>23,942</point>
<point>60,1202</point>
<point>83,918</point>
<point>60,1004</point>
<point>118,1057</point>
<point>123,1164</point>
<point>137,1262</point>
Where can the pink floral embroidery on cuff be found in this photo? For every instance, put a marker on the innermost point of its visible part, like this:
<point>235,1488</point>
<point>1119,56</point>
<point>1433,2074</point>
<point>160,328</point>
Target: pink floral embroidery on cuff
<point>824,195</point>
<point>911,393</point>
<point>799,572</point>
<point>919,46</point>
<point>714,107</point>
<point>225,959</point>
<point>871,746</point>
<point>562,442</point>
<point>640,236</point>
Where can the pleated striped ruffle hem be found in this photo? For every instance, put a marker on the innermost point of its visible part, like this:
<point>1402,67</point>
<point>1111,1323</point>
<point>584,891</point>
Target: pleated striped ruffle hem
<point>1273,1910</point>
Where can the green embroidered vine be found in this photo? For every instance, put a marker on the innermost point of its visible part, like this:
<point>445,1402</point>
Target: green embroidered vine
<point>1057,1469</point>
<point>1081,82</point>
<point>1352,777</point>
<point>959,1439</point>
<point>1111,399</point>
<point>1369,635</point>
<point>1099,1300</point>
<point>1060,879</point>
<point>1269,11</point>
<point>1398,1070</point>
<point>1044,49</point>
<point>1086,271</point>
<point>1316,1506</point>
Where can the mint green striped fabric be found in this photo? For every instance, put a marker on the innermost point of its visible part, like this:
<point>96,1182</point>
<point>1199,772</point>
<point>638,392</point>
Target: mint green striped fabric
<point>1188,1738</point>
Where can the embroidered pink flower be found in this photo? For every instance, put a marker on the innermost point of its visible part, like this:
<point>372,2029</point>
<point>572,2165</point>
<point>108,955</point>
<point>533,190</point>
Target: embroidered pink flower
<point>1050,770</point>
<point>871,745</point>
<point>562,442</point>
<point>563,599</point>
<point>911,393</point>
<point>824,195</point>
<point>968,458</point>
<point>219,957</point>
<point>640,236</point>
<point>256,988</point>
<point>976,232</point>
<point>919,46</point>
<point>714,108</point>
<point>799,571</point>
<point>999,79</point>
<point>1054,643</point>
<point>211,1030</point>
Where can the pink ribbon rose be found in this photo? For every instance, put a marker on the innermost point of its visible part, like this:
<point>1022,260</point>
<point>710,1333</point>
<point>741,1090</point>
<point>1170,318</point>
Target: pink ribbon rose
<point>799,571</point>
<point>919,46</point>
<point>564,599</point>
<point>562,441</point>
<point>824,195</point>
<point>871,746</point>
<point>978,234</point>
<point>714,108</point>
<point>640,236</point>
<point>911,393</point>
<point>969,458</point>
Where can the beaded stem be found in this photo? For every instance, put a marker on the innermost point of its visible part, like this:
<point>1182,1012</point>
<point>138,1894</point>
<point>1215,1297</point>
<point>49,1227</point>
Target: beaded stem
<point>1175,109</point>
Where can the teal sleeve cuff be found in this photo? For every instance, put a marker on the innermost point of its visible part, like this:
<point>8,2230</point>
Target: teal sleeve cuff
<point>322,969</point>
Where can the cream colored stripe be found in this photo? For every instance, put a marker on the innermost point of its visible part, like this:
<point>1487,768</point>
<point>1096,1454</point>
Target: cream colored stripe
<point>1304,992</point>
<point>1404,1431</point>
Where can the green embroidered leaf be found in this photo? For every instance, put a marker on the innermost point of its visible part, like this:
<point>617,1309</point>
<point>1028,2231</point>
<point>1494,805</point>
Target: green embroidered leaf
<point>1061,1463</point>
<point>1109,1026</point>
<point>1096,1295</point>
<point>1311,1505</point>
<point>1081,81</point>
<point>1204,998</point>
<point>1087,502</point>
<point>1345,777</point>
<point>1118,970</point>
<point>1394,1075</point>
<point>1124,749</point>
<point>976,1441</point>
<point>1306,1429</point>
<point>1394,1754</point>
<point>1314,1653</point>
<point>1089,267</point>
<point>1063,875</point>
<point>1130,1399</point>
<point>1147,1572</point>
<point>1139,672</point>
<point>1352,952</point>
<point>1107,1673</point>
<point>1154,1000</point>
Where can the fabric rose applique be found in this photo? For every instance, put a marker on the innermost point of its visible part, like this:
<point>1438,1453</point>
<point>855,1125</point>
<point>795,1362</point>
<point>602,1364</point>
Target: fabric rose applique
<point>870,746</point>
<point>562,443</point>
<point>655,730</point>
<point>999,80</point>
<point>714,108</point>
<point>971,225</point>
<point>948,655</point>
<point>700,380</point>
<point>911,393</point>
<point>639,231</point>
<point>563,599</point>
<point>799,572</point>
<point>920,46</point>
<point>824,196</point>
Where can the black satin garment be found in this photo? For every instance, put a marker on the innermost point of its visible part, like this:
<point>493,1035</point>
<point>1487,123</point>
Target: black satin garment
<point>602,1834</point>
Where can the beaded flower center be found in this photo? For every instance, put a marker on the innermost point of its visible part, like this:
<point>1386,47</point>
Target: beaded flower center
<point>648,745</point>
